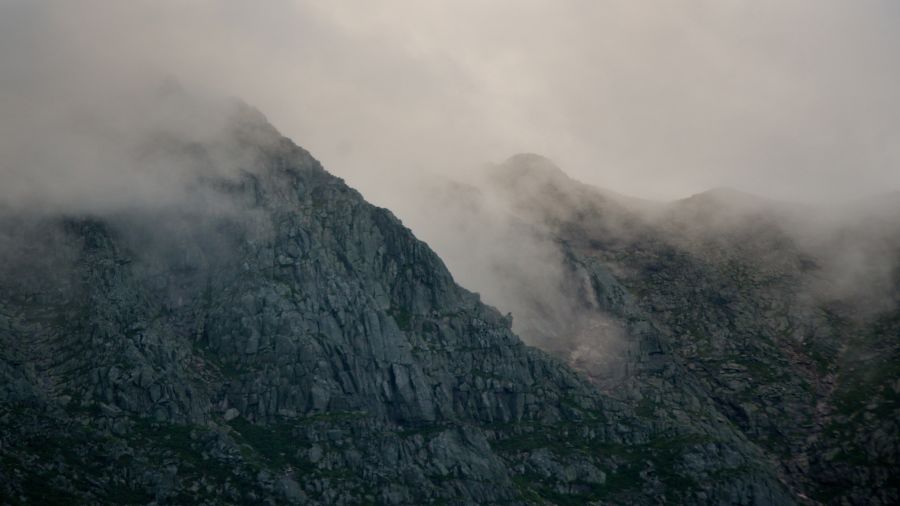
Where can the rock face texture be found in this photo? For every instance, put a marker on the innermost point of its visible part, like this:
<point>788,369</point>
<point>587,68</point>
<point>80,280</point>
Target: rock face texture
<point>792,338</point>
<point>295,344</point>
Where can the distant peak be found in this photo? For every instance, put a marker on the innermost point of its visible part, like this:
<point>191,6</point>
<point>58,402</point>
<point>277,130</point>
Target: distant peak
<point>726,191</point>
<point>170,86</point>
<point>532,162</point>
<point>729,200</point>
<point>726,194</point>
<point>530,169</point>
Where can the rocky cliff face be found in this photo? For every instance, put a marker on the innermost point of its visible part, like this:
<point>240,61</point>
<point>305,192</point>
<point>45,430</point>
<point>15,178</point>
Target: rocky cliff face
<point>793,341</point>
<point>294,344</point>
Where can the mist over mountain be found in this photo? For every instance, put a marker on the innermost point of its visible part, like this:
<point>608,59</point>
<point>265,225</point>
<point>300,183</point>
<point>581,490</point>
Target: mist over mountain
<point>684,289</point>
<point>778,98</point>
<point>303,346</point>
<point>786,314</point>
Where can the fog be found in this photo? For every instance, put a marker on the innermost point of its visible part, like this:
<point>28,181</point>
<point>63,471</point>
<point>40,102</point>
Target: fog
<point>795,101</point>
<point>791,99</point>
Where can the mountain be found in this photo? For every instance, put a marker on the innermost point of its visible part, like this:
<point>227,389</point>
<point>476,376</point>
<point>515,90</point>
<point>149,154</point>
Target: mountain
<point>784,318</point>
<point>273,338</point>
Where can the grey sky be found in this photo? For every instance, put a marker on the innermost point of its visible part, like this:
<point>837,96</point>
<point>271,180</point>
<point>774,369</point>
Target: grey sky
<point>793,99</point>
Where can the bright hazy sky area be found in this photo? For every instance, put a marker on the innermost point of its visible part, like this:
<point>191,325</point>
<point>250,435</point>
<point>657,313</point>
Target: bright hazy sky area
<point>793,99</point>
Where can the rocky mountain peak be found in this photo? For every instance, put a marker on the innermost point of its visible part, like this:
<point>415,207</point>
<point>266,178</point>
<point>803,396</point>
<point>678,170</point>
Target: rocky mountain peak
<point>286,341</point>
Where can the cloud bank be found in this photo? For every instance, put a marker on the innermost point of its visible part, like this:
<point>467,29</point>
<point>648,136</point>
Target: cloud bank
<point>792,99</point>
<point>409,101</point>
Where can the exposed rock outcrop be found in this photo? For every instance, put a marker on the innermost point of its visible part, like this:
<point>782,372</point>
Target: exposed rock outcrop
<point>305,347</point>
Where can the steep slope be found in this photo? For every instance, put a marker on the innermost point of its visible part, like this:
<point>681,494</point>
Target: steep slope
<point>791,335</point>
<point>277,339</point>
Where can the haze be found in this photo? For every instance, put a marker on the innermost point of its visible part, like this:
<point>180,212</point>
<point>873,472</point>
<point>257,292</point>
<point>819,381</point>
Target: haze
<point>416,104</point>
<point>796,100</point>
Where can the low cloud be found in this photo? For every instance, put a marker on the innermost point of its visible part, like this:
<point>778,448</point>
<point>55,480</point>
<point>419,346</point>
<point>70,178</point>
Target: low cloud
<point>792,100</point>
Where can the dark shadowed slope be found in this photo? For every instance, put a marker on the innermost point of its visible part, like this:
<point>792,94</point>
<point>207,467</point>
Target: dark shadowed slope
<point>784,317</point>
<point>277,339</point>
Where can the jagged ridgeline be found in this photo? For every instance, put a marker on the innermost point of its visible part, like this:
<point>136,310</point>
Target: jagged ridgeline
<point>273,338</point>
<point>785,318</point>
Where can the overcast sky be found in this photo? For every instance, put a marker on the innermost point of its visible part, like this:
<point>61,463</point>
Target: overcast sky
<point>792,99</point>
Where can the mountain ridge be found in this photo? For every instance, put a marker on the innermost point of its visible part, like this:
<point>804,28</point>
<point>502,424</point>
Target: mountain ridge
<point>304,347</point>
<point>769,317</point>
